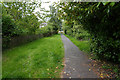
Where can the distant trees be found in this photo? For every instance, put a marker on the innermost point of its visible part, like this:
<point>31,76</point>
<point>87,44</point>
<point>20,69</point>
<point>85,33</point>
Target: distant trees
<point>55,22</point>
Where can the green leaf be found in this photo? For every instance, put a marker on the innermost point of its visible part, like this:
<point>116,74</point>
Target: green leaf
<point>98,4</point>
<point>105,3</point>
<point>112,3</point>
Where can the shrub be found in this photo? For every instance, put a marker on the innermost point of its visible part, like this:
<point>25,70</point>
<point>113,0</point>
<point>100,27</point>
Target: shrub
<point>8,29</point>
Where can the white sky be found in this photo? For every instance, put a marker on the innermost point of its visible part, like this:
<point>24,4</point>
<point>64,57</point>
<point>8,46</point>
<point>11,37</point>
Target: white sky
<point>45,4</point>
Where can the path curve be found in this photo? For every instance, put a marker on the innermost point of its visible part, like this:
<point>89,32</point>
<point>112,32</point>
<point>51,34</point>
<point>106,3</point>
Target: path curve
<point>76,62</point>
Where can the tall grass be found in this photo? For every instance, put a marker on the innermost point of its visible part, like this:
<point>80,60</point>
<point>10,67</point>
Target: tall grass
<point>39,59</point>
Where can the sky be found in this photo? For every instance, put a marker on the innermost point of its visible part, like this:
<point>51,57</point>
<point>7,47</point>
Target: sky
<point>45,4</point>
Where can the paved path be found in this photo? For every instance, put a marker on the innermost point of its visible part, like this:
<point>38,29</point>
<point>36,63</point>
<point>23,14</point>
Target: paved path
<point>76,63</point>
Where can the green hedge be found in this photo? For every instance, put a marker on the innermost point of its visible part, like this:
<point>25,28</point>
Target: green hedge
<point>102,21</point>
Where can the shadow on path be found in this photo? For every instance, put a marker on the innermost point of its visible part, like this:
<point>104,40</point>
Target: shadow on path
<point>76,63</point>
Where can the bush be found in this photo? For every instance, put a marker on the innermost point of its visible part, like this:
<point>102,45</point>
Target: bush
<point>77,31</point>
<point>105,30</point>
<point>8,30</point>
<point>102,21</point>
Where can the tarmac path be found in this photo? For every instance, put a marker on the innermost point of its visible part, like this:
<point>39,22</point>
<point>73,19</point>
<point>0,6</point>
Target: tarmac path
<point>76,62</point>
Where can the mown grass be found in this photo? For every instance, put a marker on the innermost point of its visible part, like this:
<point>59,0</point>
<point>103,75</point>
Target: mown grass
<point>38,59</point>
<point>82,45</point>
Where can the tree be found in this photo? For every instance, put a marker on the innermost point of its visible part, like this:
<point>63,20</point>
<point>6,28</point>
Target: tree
<point>101,20</point>
<point>56,23</point>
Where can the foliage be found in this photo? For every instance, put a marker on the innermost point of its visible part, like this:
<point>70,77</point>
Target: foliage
<point>8,29</point>
<point>29,24</point>
<point>101,20</point>
<point>20,19</point>
<point>38,59</point>
<point>46,29</point>
<point>55,22</point>
<point>76,31</point>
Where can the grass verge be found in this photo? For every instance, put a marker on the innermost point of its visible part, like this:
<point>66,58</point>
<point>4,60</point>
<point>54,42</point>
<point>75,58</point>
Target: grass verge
<point>102,68</point>
<point>82,45</point>
<point>38,59</point>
